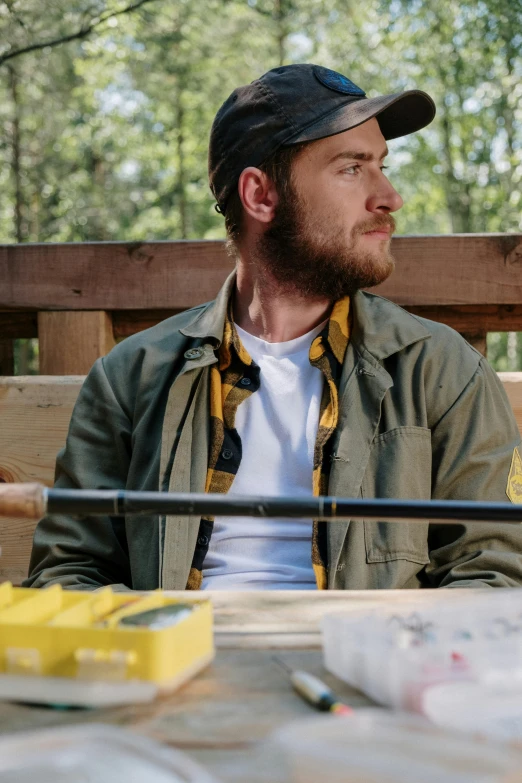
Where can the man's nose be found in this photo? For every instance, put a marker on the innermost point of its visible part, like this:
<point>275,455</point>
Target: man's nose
<point>384,197</point>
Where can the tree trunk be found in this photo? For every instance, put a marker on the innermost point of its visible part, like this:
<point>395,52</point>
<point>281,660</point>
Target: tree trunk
<point>281,30</point>
<point>16,154</point>
<point>457,193</point>
<point>508,113</point>
<point>180,153</point>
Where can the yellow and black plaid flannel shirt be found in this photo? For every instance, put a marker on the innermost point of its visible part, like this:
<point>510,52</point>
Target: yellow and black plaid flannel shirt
<point>234,378</point>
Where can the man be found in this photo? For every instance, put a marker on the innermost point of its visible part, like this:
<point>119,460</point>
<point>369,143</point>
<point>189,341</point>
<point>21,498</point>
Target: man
<point>293,381</point>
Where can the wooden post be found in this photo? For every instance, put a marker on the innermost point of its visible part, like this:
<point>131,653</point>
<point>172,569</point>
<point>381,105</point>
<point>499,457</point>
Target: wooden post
<point>70,342</point>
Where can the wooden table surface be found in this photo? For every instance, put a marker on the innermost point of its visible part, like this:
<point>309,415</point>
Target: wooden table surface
<point>225,715</point>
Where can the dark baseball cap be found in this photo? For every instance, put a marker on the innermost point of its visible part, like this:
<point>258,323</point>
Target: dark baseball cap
<point>296,103</point>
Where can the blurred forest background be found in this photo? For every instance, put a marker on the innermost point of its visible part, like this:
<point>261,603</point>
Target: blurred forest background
<point>106,107</point>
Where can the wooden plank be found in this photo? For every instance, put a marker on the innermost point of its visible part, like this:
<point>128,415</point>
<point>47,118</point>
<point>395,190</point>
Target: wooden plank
<point>111,275</point>
<point>466,319</point>
<point>463,318</point>
<point>474,318</point>
<point>458,269</point>
<point>461,269</point>
<point>35,412</point>
<point>276,622</point>
<point>70,342</point>
<point>127,322</point>
<point>16,325</point>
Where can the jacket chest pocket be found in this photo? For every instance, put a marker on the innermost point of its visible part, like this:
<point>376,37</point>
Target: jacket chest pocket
<point>399,467</point>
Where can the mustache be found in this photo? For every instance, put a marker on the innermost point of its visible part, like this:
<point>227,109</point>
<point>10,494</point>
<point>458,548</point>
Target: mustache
<point>374,224</point>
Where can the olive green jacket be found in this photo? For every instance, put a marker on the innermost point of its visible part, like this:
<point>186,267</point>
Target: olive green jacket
<point>422,415</point>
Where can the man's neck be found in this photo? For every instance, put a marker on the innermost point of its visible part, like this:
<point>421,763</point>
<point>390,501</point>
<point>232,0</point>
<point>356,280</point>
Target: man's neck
<point>266,310</point>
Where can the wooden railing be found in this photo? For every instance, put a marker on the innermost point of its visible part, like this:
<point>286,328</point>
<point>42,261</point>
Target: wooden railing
<point>79,298</point>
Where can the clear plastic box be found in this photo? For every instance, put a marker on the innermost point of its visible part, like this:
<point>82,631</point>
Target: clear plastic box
<point>394,657</point>
<point>94,753</point>
<point>375,746</point>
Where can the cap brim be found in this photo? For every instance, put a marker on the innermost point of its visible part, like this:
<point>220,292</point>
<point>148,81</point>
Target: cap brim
<point>398,115</point>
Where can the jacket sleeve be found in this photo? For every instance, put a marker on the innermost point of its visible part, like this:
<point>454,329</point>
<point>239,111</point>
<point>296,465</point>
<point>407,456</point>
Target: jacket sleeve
<point>473,446</point>
<point>87,552</point>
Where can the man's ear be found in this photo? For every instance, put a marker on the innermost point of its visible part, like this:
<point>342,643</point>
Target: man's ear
<point>258,194</point>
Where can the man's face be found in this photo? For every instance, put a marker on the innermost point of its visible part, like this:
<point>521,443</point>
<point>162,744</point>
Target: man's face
<point>331,232</point>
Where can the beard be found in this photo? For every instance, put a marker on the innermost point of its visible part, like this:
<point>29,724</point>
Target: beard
<point>309,259</point>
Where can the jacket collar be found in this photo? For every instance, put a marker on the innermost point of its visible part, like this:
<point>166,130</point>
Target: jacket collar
<point>209,321</point>
<point>380,327</point>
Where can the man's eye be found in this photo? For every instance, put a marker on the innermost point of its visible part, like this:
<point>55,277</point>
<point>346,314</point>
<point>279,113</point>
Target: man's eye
<point>383,168</point>
<point>352,169</point>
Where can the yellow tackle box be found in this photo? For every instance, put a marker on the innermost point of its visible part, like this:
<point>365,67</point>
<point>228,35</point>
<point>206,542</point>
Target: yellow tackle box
<point>69,646</point>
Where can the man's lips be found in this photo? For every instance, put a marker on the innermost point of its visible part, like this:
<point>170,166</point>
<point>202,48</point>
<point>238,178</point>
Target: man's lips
<point>379,233</point>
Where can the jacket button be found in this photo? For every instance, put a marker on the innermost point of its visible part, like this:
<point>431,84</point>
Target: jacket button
<point>193,353</point>
<point>203,540</point>
<point>227,454</point>
<point>245,381</point>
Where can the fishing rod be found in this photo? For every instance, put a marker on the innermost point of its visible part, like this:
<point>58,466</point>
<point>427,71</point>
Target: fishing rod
<point>34,501</point>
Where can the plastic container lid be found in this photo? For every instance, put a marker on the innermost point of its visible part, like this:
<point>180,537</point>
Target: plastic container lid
<point>492,710</point>
<point>375,746</point>
<point>94,753</point>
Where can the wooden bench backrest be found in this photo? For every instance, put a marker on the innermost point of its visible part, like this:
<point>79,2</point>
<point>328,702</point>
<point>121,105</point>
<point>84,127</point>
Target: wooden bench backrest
<point>93,293</point>
<point>34,415</point>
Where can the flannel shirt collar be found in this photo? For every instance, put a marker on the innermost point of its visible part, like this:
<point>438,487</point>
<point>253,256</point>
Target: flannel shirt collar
<point>334,337</point>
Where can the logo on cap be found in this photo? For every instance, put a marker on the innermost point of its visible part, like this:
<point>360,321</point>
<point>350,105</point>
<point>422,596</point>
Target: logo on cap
<point>338,82</point>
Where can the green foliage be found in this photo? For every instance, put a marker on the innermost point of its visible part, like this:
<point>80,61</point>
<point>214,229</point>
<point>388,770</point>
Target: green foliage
<point>505,351</point>
<point>113,129</point>
<point>26,357</point>
<point>106,135</point>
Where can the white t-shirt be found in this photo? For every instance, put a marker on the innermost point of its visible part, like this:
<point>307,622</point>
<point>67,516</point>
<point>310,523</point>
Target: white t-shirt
<point>277,425</point>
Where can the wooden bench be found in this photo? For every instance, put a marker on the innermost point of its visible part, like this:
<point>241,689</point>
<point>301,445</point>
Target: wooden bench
<point>34,415</point>
<point>79,298</point>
